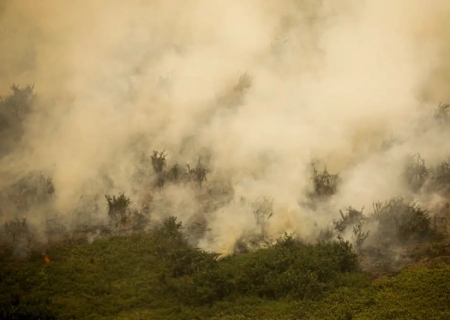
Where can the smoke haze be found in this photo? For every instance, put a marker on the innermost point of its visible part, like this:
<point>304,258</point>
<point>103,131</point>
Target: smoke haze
<point>259,89</point>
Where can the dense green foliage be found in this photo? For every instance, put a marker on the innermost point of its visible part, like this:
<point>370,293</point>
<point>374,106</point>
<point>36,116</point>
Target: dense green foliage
<point>157,275</point>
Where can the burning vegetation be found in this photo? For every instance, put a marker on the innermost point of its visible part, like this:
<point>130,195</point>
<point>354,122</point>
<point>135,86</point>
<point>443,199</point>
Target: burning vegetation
<point>392,235</point>
<point>224,160</point>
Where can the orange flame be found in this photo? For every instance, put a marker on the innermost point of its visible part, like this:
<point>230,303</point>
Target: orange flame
<point>47,259</point>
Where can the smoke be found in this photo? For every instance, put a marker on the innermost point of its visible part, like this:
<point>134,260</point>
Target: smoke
<point>327,80</point>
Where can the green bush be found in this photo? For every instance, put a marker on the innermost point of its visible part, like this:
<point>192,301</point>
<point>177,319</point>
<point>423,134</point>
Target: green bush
<point>287,269</point>
<point>293,269</point>
<point>208,283</point>
<point>188,260</point>
<point>118,210</point>
<point>168,237</point>
<point>15,308</point>
<point>191,274</point>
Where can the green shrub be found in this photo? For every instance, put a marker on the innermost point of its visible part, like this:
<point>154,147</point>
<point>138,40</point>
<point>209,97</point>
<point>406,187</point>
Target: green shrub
<point>192,275</point>
<point>118,210</point>
<point>188,260</point>
<point>199,279</point>
<point>15,308</point>
<point>209,285</point>
<point>287,269</point>
<point>168,237</point>
<point>296,270</point>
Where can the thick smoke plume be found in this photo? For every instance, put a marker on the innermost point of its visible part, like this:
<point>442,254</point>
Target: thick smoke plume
<point>258,90</point>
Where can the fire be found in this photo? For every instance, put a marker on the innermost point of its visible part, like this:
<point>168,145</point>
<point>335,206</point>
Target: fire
<point>47,259</point>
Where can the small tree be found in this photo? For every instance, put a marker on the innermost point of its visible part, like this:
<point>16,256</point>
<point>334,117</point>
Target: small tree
<point>159,161</point>
<point>416,173</point>
<point>118,208</point>
<point>174,174</point>
<point>198,173</point>
<point>359,236</point>
<point>325,183</point>
<point>401,221</point>
<point>353,219</point>
<point>439,180</point>
<point>16,228</point>
<point>349,219</point>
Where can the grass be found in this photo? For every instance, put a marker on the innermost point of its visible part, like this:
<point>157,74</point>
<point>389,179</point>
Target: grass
<point>139,277</point>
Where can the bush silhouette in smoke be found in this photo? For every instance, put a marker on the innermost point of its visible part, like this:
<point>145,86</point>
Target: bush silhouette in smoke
<point>325,183</point>
<point>14,109</point>
<point>401,222</point>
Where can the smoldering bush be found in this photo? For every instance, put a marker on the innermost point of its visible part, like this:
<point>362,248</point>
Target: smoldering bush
<point>14,109</point>
<point>325,184</point>
<point>401,221</point>
<point>416,173</point>
<point>33,189</point>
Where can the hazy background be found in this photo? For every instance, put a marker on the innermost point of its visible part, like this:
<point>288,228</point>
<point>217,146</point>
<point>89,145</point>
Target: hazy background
<point>330,80</point>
